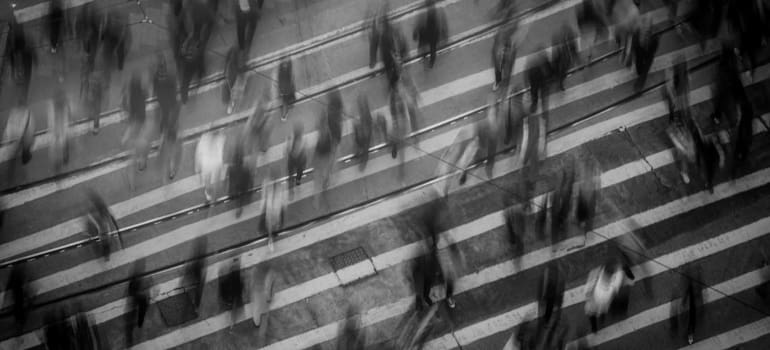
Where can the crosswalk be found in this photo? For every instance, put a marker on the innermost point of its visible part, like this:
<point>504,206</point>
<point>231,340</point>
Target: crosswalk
<point>641,196</point>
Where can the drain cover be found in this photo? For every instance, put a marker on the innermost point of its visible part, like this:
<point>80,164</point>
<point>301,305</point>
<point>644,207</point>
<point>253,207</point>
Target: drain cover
<point>352,265</point>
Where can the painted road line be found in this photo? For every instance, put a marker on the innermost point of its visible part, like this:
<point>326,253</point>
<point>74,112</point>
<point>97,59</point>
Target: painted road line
<point>737,336</point>
<point>478,279</point>
<point>84,128</point>
<point>167,240</point>
<point>117,308</point>
<point>711,294</point>
<point>275,153</point>
<point>417,198</point>
<point>574,296</point>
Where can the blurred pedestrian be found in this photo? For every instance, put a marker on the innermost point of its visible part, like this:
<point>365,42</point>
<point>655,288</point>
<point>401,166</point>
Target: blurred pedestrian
<point>593,21</point>
<point>626,19</point>
<point>138,300</point>
<point>687,308</point>
<point>58,122</point>
<point>503,57</point>
<point>246,16</point>
<point>352,333</point>
<point>335,110</point>
<point>19,134</point>
<point>116,37</point>
<point>561,206</point>
<point>231,288</point>
<point>363,131</point>
<point>19,292</point>
<point>59,333</point>
<point>164,86</point>
<point>430,30</point>
<point>55,23</point>
<point>286,88</point>
<point>484,143</point>
<point>745,20</point>
<point>259,125</point>
<point>565,54</point>
<point>377,25</point>
<point>235,78</point>
<point>239,175</point>
<point>196,271</point>
<point>297,155</point>
<point>191,63</point>
<point>274,203</point>
<point>706,18</point>
<point>602,286</point>
<point>209,162</point>
<point>588,191</point>
<point>92,93</point>
<point>551,294</point>
<point>261,295</point>
<point>102,224</point>
<point>538,74</point>
<point>644,44</point>
<point>87,29</point>
<point>730,92</point>
<point>323,159</point>
<point>86,337</point>
<point>133,105</point>
<point>22,59</point>
<point>743,137</point>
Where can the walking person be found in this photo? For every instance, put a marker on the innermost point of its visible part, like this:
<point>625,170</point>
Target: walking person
<point>430,30</point>
<point>231,288</point>
<point>687,308</point>
<point>261,295</point>
<point>274,203</point>
<point>93,96</point>
<point>323,160</point>
<point>377,25</point>
<point>246,15</point>
<point>20,294</point>
<point>297,156</point>
<point>59,121</point>
<point>209,162</point>
<point>195,273</point>
<point>116,37</point>
<point>644,44</point>
<point>363,131</point>
<point>286,88</point>
<point>239,176</point>
<point>587,198</point>
<point>22,60</point>
<point>601,288</point>
<point>503,57</point>
<point>55,24</point>
<point>565,54</point>
<point>538,74</point>
<point>19,133</point>
<point>235,78</point>
<point>551,294</point>
<point>164,86</point>
<point>138,301</point>
<point>133,105</point>
<point>102,224</point>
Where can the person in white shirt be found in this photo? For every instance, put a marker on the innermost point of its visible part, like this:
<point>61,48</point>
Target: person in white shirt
<point>602,286</point>
<point>209,161</point>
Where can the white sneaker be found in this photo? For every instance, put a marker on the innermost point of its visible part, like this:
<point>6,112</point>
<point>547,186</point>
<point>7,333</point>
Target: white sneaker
<point>685,178</point>
<point>495,86</point>
<point>229,109</point>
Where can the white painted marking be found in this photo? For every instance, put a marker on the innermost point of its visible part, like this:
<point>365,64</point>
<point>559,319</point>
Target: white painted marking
<point>556,146</point>
<point>275,153</point>
<point>497,324</point>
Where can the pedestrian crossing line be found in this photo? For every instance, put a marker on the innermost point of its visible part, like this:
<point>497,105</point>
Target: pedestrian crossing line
<point>474,81</point>
<point>494,273</point>
<point>114,117</point>
<point>275,153</point>
<point>574,296</point>
<point>734,337</point>
<point>412,199</point>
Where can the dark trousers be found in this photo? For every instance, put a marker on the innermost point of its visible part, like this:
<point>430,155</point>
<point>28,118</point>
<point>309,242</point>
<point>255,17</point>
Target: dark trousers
<point>245,26</point>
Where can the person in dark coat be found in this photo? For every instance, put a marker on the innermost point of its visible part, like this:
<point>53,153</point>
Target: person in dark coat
<point>644,44</point>
<point>564,55</point>
<point>18,291</point>
<point>191,63</point>
<point>334,114</point>
<point>164,86</point>
<point>231,287</point>
<point>59,334</point>
<point>729,88</point>
<point>562,205</point>
<point>22,60</point>
<point>688,309</point>
<point>286,88</point>
<point>101,223</point>
<point>297,155</point>
<point>538,75</point>
<point>239,175</point>
<point>377,25</point>
<point>363,131</point>
<point>235,69</point>
<point>503,57</point>
<point>246,16</point>
<point>551,294</point>
<point>592,16</point>
<point>743,137</point>
<point>430,30</point>
<point>138,301</point>
<point>745,19</point>
<point>196,271</point>
<point>85,333</point>
<point>55,23</point>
